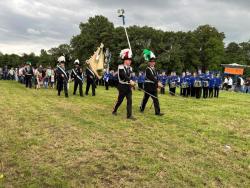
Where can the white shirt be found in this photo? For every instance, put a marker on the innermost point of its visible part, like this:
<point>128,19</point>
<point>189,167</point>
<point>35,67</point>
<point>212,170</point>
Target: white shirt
<point>230,82</point>
<point>241,81</point>
<point>226,81</point>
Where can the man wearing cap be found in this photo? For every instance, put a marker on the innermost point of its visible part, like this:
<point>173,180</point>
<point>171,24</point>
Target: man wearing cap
<point>77,75</point>
<point>125,83</point>
<point>28,73</point>
<point>151,83</point>
<point>62,77</point>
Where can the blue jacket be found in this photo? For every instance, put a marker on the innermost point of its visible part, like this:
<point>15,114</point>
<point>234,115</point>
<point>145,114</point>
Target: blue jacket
<point>212,82</point>
<point>106,76</point>
<point>163,79</point>
<point>141,78</point>
<point>172,79</point>
<point>218,82</point>
<point>134,78</point>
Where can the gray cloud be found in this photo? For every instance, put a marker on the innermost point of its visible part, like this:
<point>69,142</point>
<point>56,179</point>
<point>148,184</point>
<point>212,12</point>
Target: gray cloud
<point>30,25</point>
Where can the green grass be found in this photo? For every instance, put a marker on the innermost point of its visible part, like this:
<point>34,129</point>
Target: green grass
<point>51,141</point>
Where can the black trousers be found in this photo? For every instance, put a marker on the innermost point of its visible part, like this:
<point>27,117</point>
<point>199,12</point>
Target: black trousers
<point>205,92</point>
<point>107,85</point>
<point>211,92</point>
<point>181,91</point>
<point>140,86</point>
<point>198,91</point>
<point>184,92</point>
<point>192,91</point>
<point>188,91</point>
<point>62,85</point>
<point>28,81</point>
<point>216,92</point>
<point>155,101</point>
<point>76,83</point>
<point>163,90</point>
<point>124,91</point>
<point>172,90</point>
<point>91,83</point>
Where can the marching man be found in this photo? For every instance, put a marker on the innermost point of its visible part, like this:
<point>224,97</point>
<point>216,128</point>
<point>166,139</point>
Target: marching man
<point>77,74</point>
<point>125,83</point>
<point>62,77</point>
<point>151,83</point>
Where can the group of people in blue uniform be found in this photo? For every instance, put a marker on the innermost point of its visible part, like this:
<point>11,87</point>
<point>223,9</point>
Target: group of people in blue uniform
<point>197,84</point>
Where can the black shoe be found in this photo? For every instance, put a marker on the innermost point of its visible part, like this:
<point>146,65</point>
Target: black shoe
<point>66,95</point>
<point>159,114</point>
<point>114,113</point>
<point>131,118</point>
<point>141,110</point>
<point>74,94</point>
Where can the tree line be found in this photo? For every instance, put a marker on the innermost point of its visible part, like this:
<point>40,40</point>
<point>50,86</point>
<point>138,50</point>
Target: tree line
<point>202,48</point>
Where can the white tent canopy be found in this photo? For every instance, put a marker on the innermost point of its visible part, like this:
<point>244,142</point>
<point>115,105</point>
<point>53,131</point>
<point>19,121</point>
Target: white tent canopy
<point>235,65</point>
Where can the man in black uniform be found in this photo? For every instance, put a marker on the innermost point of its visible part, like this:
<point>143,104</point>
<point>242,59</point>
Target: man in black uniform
<point>28,73</point>
<point>125,83</point>
<point>77,75</point>
<point>151,83</point>
<point>62,77</point>
<point>90,81</point>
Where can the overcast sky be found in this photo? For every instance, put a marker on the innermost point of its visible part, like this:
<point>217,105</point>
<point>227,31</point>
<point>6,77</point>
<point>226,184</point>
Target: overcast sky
<point>32,25</point>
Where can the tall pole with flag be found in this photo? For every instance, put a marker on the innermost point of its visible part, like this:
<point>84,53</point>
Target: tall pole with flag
<point>121,14</point>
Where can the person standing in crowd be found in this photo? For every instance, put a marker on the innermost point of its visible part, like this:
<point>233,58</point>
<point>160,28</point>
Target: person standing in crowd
<point>247,85</point>
<point>20,74</point>
<point>28,72</point>
<point>211,86</point>
<point>241,84</point>
<point>125,83</point>
<point>197,86</point>
<point>217,85</point>
<point>106,78</point>
<point>230,83</point>
<point>5,72</point>
<point>163,79</point>
<point>45,78</point>
<point>151,83</point>
<point>184,85</point>
<point>183,75</point>
<point>225,83</point>
<point>141,79</point>
<point>192,80</point>
<point>77,75</point>
<point>16,74</point>
<point>36,75</point>
<point>62,77</point>
<point>52,79</point>
<point>172,81</point>
<point>205,84</point>
<point>1,73</point>
<point>91,81</point>
<point>188,79</point>
<point>200,76</point>
<point>11,74</point>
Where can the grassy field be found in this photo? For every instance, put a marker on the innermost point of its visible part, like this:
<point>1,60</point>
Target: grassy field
<point>51,141</point>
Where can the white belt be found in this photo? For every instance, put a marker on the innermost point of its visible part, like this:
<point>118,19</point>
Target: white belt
<point>149,81</point>
<point>121,82</point>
